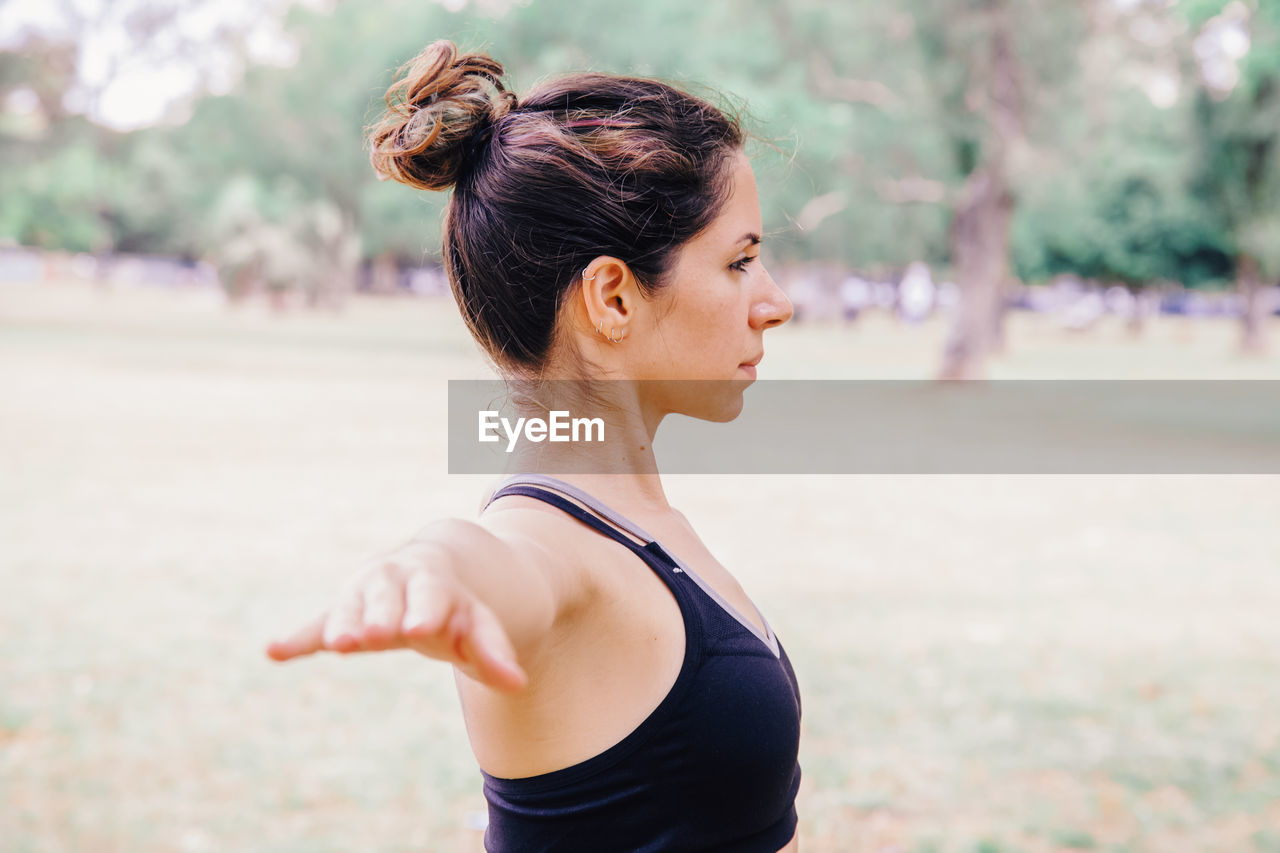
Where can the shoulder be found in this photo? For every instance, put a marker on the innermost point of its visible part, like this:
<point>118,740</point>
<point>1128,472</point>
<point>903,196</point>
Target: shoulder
<point>561,547</point>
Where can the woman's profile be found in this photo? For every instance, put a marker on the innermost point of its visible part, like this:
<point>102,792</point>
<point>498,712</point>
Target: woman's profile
<point>620,690</point>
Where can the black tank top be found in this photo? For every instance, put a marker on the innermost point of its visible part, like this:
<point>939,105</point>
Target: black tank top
<point>713,768</point>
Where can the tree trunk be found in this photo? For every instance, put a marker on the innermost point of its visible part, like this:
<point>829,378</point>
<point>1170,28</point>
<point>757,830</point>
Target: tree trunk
<point>1136,323</point>
<point>1255,308</point>
<point>244,284</point>
<point>385,274</point>
<point>999,328</point>
<point>980,229</point>
<point>980,249</point>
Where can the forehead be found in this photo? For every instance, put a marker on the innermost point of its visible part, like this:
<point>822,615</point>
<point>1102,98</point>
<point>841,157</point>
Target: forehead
<point>739,215</point>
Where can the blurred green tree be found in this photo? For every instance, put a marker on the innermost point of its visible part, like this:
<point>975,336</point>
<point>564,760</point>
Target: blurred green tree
<point>51,176</point>
<point>72,181</point>
<point>1237,136</point>
<point>1002,96</point>
<point>965,133</point>
<point>1123,214</point>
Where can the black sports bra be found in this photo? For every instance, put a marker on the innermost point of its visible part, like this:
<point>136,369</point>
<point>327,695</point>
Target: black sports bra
<point>713,768</point>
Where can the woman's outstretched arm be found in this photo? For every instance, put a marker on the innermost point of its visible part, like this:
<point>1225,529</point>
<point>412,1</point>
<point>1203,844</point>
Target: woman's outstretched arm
<point>456,592</point>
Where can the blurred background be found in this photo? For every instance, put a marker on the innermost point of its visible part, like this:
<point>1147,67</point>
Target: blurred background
<point>223,355</point>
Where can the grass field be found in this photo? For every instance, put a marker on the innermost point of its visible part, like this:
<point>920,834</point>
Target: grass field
<point>988,664</point>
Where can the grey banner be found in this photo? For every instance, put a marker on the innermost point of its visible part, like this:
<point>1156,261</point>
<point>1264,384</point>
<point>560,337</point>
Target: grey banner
<point>876,427</point>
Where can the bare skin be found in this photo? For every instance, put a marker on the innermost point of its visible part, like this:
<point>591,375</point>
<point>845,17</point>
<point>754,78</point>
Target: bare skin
<point>538,614</point>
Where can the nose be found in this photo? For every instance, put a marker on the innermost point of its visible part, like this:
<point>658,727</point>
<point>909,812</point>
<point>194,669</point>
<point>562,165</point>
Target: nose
<point>772,307</point>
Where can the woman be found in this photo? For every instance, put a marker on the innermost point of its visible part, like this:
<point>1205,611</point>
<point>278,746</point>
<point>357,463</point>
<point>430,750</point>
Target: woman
<point>617,696</point>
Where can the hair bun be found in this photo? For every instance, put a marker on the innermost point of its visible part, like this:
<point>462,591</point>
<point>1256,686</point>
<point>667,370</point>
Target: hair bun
<point>435,109</point>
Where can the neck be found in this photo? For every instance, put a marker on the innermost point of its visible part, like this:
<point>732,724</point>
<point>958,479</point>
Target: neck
<point>622,466</point>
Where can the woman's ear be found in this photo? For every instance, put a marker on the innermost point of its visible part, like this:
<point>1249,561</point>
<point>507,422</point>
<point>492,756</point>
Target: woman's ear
<point>609,296</point>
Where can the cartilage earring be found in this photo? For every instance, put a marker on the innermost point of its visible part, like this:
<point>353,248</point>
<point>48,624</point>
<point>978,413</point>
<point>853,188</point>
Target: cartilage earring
<point>588,278</point>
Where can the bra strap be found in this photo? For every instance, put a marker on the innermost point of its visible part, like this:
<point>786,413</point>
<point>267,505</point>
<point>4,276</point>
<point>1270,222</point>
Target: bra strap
<point>597,506</point>
<point>576,511</point>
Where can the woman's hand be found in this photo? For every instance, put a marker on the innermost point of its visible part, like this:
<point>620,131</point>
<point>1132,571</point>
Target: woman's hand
<point>410,601</point>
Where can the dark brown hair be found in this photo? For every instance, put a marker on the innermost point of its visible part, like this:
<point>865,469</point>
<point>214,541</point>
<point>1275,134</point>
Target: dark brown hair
<point>584,165</point>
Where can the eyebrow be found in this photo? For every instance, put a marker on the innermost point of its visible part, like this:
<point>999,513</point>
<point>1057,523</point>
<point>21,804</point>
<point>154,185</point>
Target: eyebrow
<point>750,237</point>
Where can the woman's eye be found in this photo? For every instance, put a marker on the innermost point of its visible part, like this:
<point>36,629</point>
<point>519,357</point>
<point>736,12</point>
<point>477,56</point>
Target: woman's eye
<point>741,265</point>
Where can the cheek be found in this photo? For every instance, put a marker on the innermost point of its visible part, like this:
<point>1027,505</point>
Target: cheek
<point>713,326</point>
<point>721,301</point>
<point>707,316</point>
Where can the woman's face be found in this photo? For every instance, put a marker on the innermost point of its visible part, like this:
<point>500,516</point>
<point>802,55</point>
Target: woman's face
<point>709,322</point>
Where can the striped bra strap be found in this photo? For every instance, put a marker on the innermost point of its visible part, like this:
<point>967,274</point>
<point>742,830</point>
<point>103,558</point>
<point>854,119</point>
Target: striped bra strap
<point>583,507</point>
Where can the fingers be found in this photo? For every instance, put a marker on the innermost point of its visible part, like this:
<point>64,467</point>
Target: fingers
<point>428,603</point>
<point>306,640</point>
<point>436,617</point>
<point>490,653</point>
<point>422,610</point>
<point>342,630</point>
<point>444,622</point>
<point>383,612</point>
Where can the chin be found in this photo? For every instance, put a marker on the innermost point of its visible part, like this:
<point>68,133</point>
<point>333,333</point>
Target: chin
<point>717,400</point>
<point>728,413</point>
